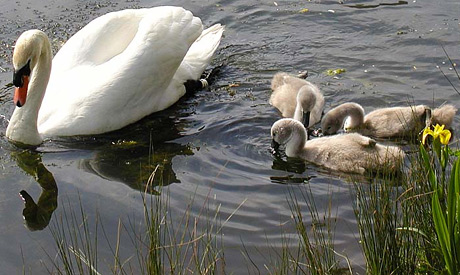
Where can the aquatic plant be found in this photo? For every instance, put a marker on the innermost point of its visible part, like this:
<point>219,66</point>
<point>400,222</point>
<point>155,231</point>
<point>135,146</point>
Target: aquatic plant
<point>316,253</point>
<point>381,210</point>
<point>160,245</point>
<point>312,250</point>
<point>413,226</point>
<point>445,200</point>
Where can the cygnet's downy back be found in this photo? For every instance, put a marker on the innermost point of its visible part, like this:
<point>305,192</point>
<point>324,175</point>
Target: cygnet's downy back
<point>386,122</point>
<point>297,98</point>
<point>349,153</point>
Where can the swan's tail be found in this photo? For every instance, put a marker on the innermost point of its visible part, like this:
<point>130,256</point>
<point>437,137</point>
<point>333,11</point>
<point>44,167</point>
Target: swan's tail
<point>201,52</point>
<point>444,115</point>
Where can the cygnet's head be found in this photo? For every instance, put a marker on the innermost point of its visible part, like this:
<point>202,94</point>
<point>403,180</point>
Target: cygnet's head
<point>284,129</point>
<point>331,124</point>
<point>306,98</point>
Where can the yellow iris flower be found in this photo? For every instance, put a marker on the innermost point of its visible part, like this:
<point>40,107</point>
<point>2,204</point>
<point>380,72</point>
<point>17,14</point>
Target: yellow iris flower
<point>438,132</point>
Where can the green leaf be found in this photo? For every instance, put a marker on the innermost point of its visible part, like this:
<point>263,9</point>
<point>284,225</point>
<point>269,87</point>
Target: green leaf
<point>441,231</point>
<point>451,200</point>
<point>431,173</point>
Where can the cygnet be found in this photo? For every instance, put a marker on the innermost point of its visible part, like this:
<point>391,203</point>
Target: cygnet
<point>349,153</point>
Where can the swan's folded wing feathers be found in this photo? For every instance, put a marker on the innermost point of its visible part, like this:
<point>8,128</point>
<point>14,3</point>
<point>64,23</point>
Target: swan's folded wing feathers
<point>201,52</point>
<point>100,40</point>
<point>129,86</point>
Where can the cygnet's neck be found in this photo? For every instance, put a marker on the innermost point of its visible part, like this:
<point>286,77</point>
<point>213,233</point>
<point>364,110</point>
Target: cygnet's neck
<point>305,102</point>
<point>23,123</point>
<point>353,111</point>
<point>296,141</point>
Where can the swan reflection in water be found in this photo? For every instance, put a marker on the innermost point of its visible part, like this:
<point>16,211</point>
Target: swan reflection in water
<point>131,154</point>
<point>133,163</point>
<point>37,215</point>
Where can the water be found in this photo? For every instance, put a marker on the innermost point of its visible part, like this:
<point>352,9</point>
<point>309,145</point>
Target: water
<point>214,146</point>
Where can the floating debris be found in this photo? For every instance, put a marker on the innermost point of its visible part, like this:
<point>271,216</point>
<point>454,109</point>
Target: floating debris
<point>372,6</point>
<point>305,10</point>
<point>335,71</point>
<point>125,143</point>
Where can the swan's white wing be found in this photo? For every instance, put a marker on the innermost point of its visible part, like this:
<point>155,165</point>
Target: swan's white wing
<point>195,62</point>
<point>121,75</point>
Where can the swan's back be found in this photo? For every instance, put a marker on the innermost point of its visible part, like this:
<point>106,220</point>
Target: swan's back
<point>100,40</point>
<point>108,76</point>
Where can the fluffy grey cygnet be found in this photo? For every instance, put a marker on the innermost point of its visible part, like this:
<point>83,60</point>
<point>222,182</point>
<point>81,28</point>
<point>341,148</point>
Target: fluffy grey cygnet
<point>349,153</point>
<point>386,122</point>
<point>297,98</point>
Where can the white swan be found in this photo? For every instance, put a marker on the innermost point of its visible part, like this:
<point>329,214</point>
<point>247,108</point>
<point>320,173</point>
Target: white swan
<point>119,68</point>
<point>297,98</point>
<point>349,153</point>
<point>386,122</point>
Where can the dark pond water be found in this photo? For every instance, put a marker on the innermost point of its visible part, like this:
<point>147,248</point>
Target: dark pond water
<point>214,146</point>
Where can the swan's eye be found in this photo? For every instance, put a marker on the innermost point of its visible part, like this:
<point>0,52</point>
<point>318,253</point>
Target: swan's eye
<point>18,76</point>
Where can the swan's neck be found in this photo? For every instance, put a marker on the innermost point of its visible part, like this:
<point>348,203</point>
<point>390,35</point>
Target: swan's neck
<point>353,113</point>
<point>23,123</point>
<point>296,142</point>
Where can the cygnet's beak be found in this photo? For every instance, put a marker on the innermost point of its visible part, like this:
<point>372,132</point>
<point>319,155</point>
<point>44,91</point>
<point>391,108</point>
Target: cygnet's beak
<point>317,132</point>
<point>306,119</point>
<point>275,145</point>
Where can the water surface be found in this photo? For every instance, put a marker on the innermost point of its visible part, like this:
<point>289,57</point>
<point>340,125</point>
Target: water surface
<point>214,147</point>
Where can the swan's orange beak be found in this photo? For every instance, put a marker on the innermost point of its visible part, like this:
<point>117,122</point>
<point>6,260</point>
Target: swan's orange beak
<point>20,93</point>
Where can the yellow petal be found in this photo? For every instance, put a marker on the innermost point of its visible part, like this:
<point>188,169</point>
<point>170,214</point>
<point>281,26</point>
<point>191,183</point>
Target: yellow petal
<point>444,137</point>
<point>438,128</point>
<point>427,132</point>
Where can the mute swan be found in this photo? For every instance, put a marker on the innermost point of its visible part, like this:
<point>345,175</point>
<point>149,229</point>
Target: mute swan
<point>349,153</point>
<point>297,98</point>
<point>386,122</point>
<point>119,68</point>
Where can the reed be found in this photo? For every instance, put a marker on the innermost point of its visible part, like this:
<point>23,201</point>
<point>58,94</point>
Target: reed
<point>161,245</point>
<point>414,227</point>
<point>313,252</point>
